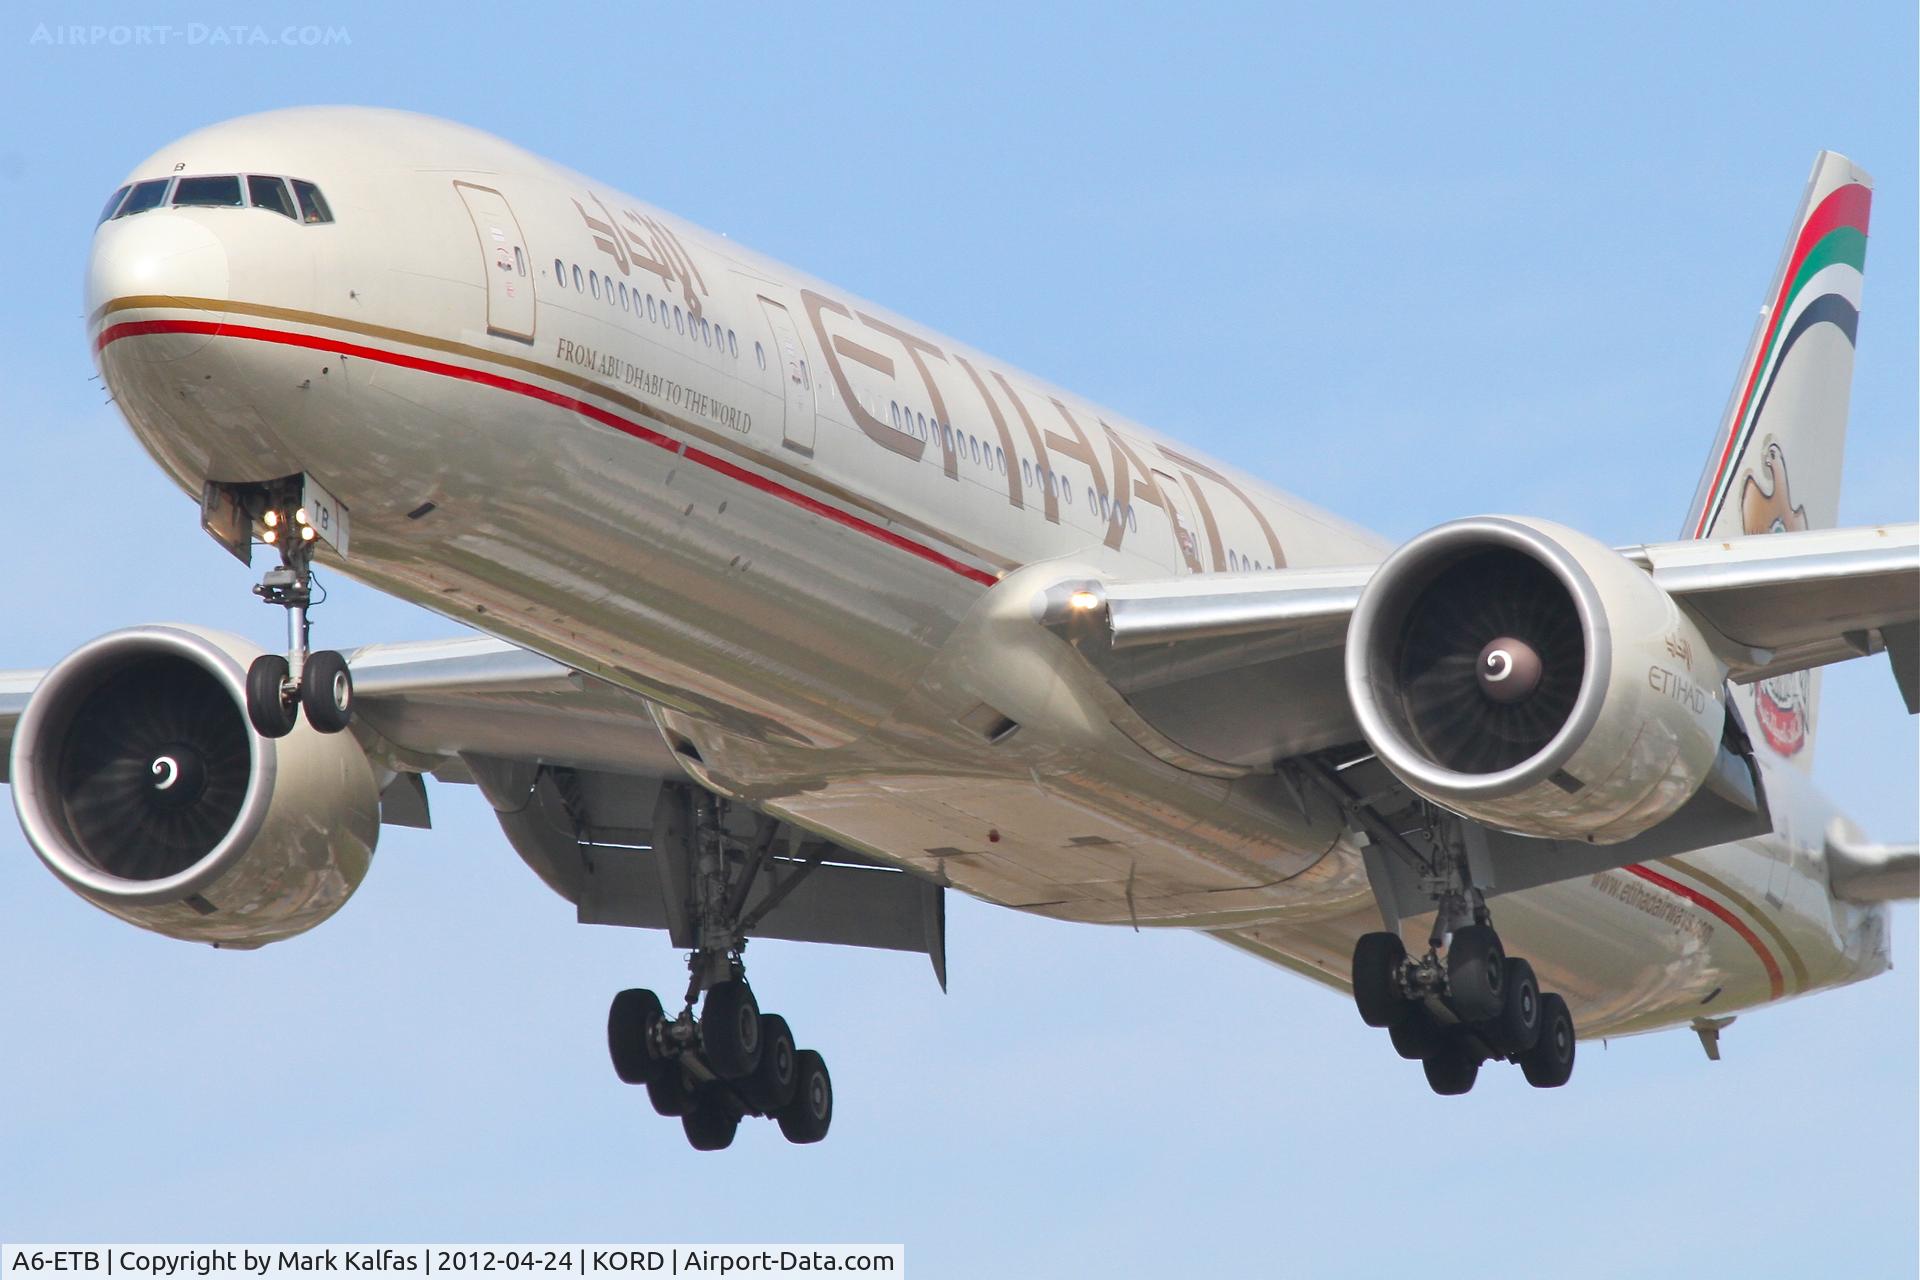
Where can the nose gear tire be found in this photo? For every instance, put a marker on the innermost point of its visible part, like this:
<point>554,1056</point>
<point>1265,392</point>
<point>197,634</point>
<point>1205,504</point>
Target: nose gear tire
<point>326,691</point>
<point>271,715</point>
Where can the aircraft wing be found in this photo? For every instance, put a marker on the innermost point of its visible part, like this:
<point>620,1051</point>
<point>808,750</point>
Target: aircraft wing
<point>428,703</point>
<point>1788,601</point>
<point>1247,669</point>
<point>574,768</point>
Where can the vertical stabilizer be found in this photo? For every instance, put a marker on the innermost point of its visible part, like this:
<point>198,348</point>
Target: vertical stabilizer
<point>1775,463</point>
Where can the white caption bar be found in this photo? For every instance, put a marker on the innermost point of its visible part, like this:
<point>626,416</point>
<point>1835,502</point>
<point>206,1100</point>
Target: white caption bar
<point>418,1261</point>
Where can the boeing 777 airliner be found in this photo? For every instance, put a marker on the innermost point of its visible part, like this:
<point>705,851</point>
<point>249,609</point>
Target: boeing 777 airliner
<point>797,614</point>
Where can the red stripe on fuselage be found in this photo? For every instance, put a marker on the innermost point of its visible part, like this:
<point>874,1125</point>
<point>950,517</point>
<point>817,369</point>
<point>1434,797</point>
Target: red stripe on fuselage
<point>1775,980</point>
<point>135,328</point>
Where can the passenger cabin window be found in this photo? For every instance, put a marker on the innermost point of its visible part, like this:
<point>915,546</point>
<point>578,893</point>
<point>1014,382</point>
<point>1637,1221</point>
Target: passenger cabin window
<point>222,191</point>
<point>560,273</point>
<point>113,202</point>
<point>313,205</point>
<point>270,193</point>
<point>579,282</point>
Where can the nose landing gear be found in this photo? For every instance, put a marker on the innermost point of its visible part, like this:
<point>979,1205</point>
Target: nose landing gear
<point>318,683</point>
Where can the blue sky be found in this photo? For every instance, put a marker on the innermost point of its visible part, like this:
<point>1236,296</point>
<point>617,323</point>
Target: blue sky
<point>1412,262</point>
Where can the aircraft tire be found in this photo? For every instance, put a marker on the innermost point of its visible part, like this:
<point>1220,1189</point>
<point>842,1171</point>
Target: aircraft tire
<point>1549,1064</point>
<point>630,1023</point>
<point>730,1030</point>
<point>1517,1028</point>
<point>267,706</point>
<point>1452,1067</point>
<point>1375,957</point>
<point>808,1117</point>
<point>775,1080</point>
<point>711,1121</point>
<point>1476,974</point>
<point>326,691</point>
<point>1415,1033</point>
<point>667,1090</point>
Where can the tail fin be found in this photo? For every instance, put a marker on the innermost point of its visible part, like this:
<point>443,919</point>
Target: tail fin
<point>1775,463</point>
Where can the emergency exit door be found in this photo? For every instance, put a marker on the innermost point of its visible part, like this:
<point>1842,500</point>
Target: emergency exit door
<point>505,260</point>
<point>790,360</point>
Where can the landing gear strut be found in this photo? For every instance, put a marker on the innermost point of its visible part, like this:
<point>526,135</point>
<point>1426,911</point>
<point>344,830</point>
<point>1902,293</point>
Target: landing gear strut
<point>731,1060</point>
<point>318,683</point>
<point>1464,1001</point>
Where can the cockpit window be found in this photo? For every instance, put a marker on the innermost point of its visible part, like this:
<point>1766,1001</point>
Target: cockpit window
<point>221,191</point>
<point>269,193</point>
<point>144,196</point>
<point>313,205</point>
<point>113,202</point>
<point>224,191</point>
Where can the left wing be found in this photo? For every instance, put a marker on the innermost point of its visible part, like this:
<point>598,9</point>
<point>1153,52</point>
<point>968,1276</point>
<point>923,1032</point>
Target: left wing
<point>1788,601</point>
<point>1212,661</point>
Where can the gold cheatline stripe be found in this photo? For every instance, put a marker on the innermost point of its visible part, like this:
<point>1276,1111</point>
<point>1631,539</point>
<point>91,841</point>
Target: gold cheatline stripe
<point>1746,904</point>
<point>574,380</point>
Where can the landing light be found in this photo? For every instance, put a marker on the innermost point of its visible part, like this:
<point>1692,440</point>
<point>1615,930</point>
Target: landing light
<point>306,533</point>
<point>270,536</point>
<point>271,519</point>
<point>300,515</point>
<point>1084,599</point>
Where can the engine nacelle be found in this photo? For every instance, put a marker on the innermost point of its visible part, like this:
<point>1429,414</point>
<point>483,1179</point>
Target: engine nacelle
<point>141,784</point>
<point>1535,680</point>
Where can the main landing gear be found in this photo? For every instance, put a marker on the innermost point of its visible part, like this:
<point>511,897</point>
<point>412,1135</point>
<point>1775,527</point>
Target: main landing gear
<point>732,1060</point>
<point>1464,1001</point>
<point>280,688</point>
<point>1470,1006</point>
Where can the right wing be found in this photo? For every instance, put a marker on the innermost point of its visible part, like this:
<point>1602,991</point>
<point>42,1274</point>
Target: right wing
<point>577,771</point>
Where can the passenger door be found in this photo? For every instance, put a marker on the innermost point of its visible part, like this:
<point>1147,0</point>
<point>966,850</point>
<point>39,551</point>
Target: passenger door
<point>795,377</point>
<point>505,260</point>
<point>1185,535</point>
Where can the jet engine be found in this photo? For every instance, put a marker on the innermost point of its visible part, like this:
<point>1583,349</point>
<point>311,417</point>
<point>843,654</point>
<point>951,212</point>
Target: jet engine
<point>1535,680</point>
<point>140,784</point>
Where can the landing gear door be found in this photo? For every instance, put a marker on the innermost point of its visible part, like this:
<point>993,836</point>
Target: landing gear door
<point>1186,537</point>
<point>505,260</point>
<point>790,361</point>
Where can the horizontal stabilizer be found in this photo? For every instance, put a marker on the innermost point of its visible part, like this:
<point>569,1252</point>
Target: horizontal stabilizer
<point>1861,872</point>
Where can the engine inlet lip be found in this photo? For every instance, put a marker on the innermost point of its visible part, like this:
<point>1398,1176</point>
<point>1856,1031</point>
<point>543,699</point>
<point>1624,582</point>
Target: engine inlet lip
<point>1383,604</point>
<point>35,773</point>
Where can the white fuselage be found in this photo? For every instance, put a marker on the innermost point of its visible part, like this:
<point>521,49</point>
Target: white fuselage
<point>782,514</point>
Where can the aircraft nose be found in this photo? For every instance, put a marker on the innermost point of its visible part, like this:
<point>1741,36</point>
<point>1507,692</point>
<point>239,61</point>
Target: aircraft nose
<point>153,260</point>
